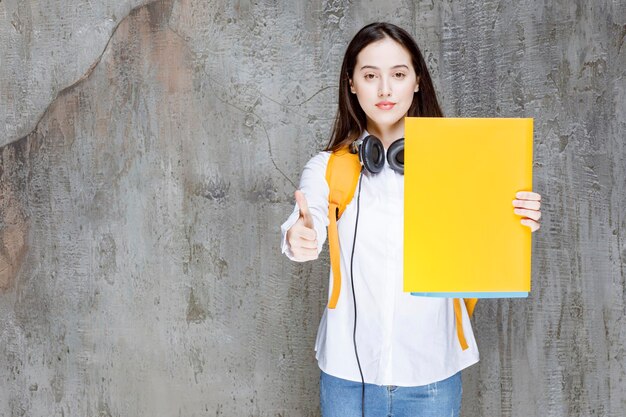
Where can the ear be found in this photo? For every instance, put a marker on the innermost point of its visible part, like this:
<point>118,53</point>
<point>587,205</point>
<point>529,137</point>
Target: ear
<point>417,84</point>
<point>351,87</point>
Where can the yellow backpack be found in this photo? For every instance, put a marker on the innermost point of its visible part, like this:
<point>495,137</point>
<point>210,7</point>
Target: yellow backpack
<point>342,176</point>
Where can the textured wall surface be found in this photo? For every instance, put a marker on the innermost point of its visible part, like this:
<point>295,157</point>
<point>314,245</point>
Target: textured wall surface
<point>45,47</point>
<point>149,154</point>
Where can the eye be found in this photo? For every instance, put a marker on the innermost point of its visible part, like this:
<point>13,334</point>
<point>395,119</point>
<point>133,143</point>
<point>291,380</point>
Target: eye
<point>400,75</point>
<point>369,76</point>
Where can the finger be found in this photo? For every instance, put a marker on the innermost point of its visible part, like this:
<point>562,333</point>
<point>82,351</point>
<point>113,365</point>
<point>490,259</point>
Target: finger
<point>531,223</point>
<point>529,204</point>
<point>304,244</point>
<point>528,195</point>
<point>306,233</point>
<point>299,230</point>
<point>304,254</point>
<point>300,233</point>
<point>535,215</point>
<point>301,201</point>
<point>304,208</point>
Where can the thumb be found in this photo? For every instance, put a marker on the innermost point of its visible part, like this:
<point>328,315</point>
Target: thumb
<point>304,209</point>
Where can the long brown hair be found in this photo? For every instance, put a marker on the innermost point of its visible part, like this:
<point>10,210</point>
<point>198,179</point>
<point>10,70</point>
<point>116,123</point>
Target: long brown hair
<point>350,120</point>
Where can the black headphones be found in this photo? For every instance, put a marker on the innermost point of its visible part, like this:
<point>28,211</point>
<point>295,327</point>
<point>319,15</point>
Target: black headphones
<point>372,154</point>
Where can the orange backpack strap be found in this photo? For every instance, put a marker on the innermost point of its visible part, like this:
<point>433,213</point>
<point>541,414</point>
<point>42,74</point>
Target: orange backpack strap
<point>342,176</point>
<point>470,303</point>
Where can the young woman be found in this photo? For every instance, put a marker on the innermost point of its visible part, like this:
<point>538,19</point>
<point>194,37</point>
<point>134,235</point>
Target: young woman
<point>405,349</point>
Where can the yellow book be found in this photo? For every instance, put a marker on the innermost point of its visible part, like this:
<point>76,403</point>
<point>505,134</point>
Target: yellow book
<point>461,236</point>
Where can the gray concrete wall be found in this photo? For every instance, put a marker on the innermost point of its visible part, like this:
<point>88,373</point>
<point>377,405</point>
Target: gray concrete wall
<point>149,152</point>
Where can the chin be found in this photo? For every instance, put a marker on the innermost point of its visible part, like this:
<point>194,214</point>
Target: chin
<point>388,120</point>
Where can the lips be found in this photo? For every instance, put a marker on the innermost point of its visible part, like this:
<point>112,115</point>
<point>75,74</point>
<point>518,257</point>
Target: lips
<point>385,105</point>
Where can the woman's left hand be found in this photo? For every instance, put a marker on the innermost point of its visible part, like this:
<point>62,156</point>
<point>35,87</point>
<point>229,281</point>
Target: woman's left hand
<point>527,205</point>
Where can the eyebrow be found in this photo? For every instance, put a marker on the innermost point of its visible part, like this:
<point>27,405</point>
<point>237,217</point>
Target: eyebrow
<point>376,68</point>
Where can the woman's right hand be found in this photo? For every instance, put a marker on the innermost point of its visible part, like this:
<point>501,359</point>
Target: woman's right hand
<point>302,237</point>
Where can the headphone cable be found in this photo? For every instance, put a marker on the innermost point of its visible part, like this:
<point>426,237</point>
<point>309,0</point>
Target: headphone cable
<point>356,223</point>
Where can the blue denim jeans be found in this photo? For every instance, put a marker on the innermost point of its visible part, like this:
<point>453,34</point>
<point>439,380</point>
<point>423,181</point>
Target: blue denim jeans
<point>342,398</point>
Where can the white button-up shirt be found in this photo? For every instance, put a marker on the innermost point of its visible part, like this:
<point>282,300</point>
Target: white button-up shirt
<point>401,339</point>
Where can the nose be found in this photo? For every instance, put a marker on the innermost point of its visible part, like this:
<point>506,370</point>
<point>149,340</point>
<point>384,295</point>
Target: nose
<point>385,87</point>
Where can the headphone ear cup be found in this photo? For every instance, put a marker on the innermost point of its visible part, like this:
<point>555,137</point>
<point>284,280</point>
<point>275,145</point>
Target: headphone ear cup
<point>372,154</point>
<point>395,156</point>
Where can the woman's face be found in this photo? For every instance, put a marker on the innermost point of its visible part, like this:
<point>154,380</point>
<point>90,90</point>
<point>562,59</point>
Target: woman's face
<point>384,82</point>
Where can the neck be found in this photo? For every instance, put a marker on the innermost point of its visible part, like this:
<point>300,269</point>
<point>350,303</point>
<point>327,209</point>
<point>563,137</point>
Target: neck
<point>386,133</point>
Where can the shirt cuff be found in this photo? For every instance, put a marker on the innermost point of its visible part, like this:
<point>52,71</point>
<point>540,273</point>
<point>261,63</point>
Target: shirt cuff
<point>285,248</point>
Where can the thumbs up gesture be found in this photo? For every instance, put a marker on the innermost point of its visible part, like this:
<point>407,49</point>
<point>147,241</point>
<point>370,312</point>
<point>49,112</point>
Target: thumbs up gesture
<point>301,236</point>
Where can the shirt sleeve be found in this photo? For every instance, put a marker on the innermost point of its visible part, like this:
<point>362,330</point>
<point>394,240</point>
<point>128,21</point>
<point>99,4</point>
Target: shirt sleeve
<point>315,188</point>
